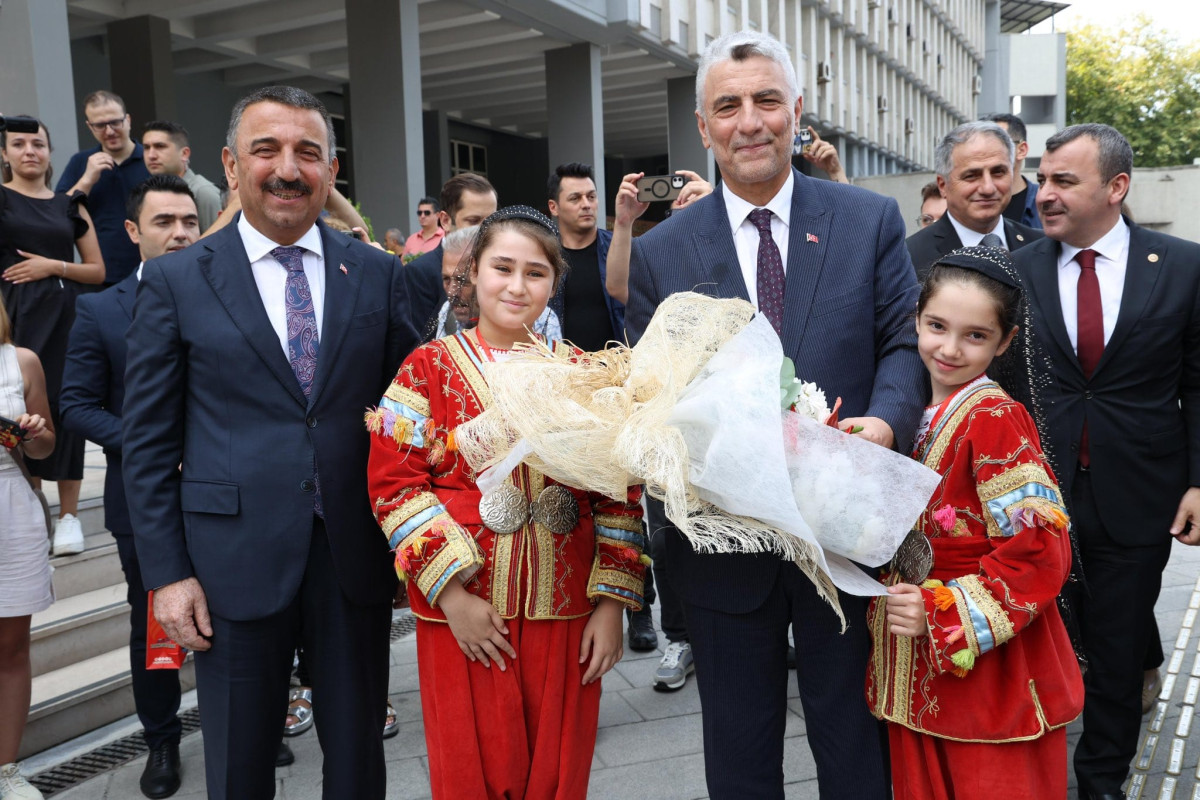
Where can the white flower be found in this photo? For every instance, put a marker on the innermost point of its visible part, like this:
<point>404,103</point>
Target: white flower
<point>810,402</point>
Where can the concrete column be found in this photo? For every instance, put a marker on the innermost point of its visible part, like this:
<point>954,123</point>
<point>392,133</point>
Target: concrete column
<point>437,151</point>
<point>576,112</point>
<point>142,70</point>
<point>685,150</point>
<point>995,65</point>
<point>35,70</point>
<point>385,123</point>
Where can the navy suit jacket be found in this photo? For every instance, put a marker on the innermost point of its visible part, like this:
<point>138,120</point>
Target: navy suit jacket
<point>927,245</point>
<point>848,325</point>
<point>1142,403</point>
<point>222,448</point>
<point>93,391</point>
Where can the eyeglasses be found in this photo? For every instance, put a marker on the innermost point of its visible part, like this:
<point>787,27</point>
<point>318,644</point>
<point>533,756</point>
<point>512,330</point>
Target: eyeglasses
<point>926,219</point>
<point>115,124</point>
<point>423,212</point>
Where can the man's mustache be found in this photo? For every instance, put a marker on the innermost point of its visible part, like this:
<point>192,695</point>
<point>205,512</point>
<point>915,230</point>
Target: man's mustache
<point>277,185</point>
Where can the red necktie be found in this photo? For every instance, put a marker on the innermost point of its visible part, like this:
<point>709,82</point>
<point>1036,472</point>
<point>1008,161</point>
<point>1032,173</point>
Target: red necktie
<point>771,277</point>
<point>1089,339</point>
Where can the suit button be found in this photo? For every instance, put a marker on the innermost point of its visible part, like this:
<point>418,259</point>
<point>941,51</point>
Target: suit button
<point>1074,447</point>
<point>311,422</point>
<point>1087,395</point>
<point>307,486</point>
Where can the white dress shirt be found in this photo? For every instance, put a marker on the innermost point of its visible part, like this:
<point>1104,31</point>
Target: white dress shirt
<point>271,276</point>
<point>970,238</point>
<point>1112,254</point>
<point>745,235</point>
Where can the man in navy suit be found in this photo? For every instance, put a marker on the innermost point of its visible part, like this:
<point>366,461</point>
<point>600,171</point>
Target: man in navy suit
<point>161,218</point>
<point>1118,309</point>
<point>251,358</point>
<point>826,264</point>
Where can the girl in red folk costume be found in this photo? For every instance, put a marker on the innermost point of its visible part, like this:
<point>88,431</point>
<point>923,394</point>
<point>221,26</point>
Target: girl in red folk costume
<point>519,596</point>
<point>971,663</point>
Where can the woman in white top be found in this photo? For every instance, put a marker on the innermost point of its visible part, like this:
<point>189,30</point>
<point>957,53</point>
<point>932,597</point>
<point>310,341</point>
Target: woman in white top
<point>25,586</point>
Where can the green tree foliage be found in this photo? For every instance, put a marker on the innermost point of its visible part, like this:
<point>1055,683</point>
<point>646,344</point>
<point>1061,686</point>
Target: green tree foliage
<point>1141,81</point>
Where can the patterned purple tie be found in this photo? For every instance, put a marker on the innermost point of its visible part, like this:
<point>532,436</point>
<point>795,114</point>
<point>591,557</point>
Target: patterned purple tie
<point>771,278</point>
<point>303,341</point>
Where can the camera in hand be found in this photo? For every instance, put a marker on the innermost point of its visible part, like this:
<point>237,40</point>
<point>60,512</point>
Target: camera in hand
<point>19,124</point>
<point>656,188</point>
<point>11,434</point>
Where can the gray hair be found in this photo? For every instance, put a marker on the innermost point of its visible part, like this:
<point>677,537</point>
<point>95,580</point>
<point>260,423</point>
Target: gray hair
<point>1116,156</point>
<point>739,47</point>
<point>459,239</point>
<point>284,95</point>
<point>943,157</point>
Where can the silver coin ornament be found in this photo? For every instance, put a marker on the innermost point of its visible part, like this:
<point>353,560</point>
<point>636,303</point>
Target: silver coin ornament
<point>504,509</point>
<point>556,509</point>
<point>913,560</point>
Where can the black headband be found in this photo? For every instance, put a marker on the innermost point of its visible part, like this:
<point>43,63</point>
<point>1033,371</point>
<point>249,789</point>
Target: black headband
<point>993,262</point>
<point>520,212</point>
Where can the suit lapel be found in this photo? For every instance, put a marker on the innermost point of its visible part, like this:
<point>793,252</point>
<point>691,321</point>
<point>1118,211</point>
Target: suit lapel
<point>227,270</point>
<point>341,293</point>
<point>808,239</point>
<point>1043,274</point>
<point>1015,239</point>
<point>1142,267</point>
<point>716,254</point>
<point>126,293</point>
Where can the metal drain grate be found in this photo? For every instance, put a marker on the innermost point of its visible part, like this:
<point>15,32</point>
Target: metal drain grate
<point>102,759</point>
<point>404,626</point>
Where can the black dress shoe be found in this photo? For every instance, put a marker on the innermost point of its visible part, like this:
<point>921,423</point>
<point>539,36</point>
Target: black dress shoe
<point>642,638</point>
<point>161,776</point>
<point>1085,795</point>
<point>284,755</point>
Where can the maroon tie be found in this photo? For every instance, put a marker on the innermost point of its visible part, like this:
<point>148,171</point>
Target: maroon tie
<point>771,278</point>
<point>1089,338</point>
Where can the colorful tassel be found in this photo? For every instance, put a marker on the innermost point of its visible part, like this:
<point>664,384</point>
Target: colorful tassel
<point>402,430</point>
<point>428,429</point>
<point>436,452</point>
<point>954,633</point>
<point>418,545</point>
<point>645,560</point>
<point>963,660</point>
<point>931,584</point>
<point>402,566</point>
<point>451,442</point>
<point>374,420</point>
<point>629,554</point>
<point>944,517</point>
<point>943,598</point>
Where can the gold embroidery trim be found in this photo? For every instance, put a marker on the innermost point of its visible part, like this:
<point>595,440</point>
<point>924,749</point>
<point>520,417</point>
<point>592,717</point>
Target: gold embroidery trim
<point>408,510</point>
<point>613,577</point>
<point>406,396</point>
<point>1015,478</point>
<point>458,548</point>
<point>1002,627</point>
<point>467,368</point>
<point>540,556</point>
<point>619,521</point>
<point>502,564</point>
<point>937,448</point>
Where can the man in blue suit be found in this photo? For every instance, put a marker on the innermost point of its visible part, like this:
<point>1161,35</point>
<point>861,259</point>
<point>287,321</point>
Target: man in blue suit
<point>252,356</point>
<point>162,218</point>
<point>826,264</point>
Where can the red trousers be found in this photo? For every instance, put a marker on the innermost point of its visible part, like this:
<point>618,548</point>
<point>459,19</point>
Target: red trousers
<point>928,768</point>
<point>527,732</point>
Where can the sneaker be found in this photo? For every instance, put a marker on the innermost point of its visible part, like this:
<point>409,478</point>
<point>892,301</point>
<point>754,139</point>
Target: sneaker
<point>68,535</point>
<point>642,638</point>
<point>1151,686</point>
<point>674,668</point>
<point>13,785</point>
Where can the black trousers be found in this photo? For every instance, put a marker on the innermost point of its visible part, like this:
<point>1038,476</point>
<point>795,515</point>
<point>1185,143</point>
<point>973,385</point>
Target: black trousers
<point>741,669</point>
<point>243,687</point>
<point>155,691</point>
<point>674,625</point>
<point>1116,620</point>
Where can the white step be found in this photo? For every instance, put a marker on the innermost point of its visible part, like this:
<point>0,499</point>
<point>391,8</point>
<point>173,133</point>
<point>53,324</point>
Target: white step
<point>79,627</point>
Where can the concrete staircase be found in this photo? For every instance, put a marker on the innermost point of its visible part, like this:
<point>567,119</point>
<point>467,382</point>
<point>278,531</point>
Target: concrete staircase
<point>80,645</point>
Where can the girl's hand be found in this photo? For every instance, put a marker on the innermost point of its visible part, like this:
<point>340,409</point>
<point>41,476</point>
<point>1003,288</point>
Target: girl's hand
<point>602,637</point>
<point>33,425</point>
<point>906,611</point>
<point>476,625</point>
<point>33,268</point>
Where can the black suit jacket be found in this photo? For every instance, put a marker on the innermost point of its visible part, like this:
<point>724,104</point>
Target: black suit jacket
<point>929,244</point>
<point>424,275</point>
<point>848,326</point>
<point>1142,403</point>
<point>93,391</point>
<point>222,447</point>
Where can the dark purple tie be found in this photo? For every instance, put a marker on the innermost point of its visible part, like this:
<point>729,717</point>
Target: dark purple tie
<point>303,341</point>
<point>771,278</point>
<point>1089,334</point>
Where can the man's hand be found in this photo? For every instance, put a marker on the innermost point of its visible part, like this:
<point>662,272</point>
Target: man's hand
<point>693,190</point>
<point>477,627</point>
<point>182,609</point>
<point>906,611</point>
<point>824,155</point>
<point>627,206</point>
<point>873,429</point>
<point>97,163</point>
<point>1186,527</point>
<point>602,639</point>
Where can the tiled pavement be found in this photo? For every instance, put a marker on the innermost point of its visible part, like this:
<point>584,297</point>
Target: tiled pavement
<point>650,744</point>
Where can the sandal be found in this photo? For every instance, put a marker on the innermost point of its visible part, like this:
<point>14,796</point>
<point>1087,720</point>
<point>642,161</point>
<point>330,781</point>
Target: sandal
<point>300,709</point>
<point>391,724</point>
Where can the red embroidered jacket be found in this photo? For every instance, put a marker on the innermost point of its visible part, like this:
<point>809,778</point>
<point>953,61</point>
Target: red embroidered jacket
<point>997,664</point>
<point>427,504</point>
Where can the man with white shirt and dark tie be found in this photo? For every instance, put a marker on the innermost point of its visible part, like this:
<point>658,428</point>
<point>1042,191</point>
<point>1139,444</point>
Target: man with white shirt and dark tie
<point>974,164</point>
<point>1118,313</point>
<point>252,355</point>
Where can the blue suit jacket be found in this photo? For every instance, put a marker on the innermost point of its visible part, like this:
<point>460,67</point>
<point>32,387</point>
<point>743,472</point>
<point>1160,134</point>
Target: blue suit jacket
<point>848,325</point>
<point>222,447</point>
<point>93,391</point>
